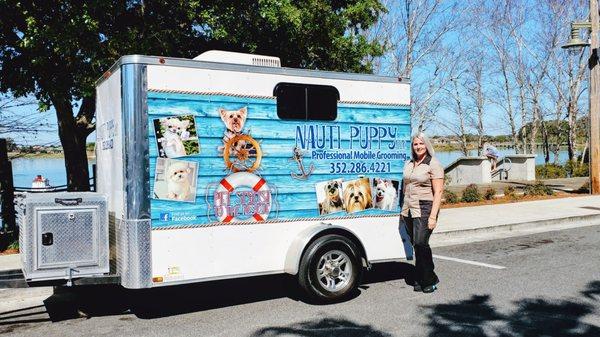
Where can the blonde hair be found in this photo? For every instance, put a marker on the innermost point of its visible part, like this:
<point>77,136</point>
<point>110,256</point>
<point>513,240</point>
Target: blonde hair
<point>422,137</point>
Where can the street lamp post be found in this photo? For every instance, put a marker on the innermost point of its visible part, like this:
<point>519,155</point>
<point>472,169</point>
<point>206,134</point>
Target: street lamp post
<point>594,96</point>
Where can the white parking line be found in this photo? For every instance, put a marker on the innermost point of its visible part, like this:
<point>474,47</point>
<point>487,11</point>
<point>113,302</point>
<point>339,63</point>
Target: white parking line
<point>481,264</point>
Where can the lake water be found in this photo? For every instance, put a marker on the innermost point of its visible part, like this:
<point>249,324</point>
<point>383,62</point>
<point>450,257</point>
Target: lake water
<point>25,169</point>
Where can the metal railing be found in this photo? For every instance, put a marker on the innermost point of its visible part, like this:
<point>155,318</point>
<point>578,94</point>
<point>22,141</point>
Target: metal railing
<point>504,165</point>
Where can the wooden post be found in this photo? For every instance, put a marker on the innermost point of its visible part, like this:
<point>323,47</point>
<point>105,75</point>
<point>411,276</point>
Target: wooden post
<point>594,100</point>
<point>7,191</point>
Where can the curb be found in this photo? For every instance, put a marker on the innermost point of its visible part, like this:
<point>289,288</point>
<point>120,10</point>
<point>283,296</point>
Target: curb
<point>449,238</point>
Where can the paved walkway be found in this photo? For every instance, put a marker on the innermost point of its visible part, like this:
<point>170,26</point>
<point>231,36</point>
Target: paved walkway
<point>8,262</point>
<point>478,223</point>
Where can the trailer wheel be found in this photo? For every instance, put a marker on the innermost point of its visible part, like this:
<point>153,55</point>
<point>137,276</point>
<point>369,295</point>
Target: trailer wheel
<point>330,268</point>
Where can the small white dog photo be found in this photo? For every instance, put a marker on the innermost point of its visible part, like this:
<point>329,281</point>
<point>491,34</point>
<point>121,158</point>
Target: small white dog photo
<point>176,136</point>
<point>385,194</point>
<point>329,196</point>
<point>175,180</point>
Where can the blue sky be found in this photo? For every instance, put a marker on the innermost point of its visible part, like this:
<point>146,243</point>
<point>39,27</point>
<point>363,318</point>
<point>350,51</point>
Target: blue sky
<point>495,120</point>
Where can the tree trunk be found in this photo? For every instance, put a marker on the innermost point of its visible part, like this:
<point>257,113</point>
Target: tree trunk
<point>534,126</point>
<point>480,106</point>
<point>73,140</point>
<point>509,112</point>
<point>585,149</point>
<point>523,116</point>
<point>545,142</point>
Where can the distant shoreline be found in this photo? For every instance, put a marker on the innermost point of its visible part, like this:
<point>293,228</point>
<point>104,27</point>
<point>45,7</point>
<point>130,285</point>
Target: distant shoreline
<point>17,155</point>
<point>470,147</point>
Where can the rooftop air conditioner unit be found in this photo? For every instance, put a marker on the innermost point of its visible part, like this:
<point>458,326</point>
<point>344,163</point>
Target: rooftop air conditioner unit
<point>239,58</point>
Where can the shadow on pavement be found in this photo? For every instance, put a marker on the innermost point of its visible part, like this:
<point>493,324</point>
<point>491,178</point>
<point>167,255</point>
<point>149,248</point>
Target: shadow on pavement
<point>382,272</point>
<point>330,327</point>
<point>13,320</point>
<point>90,301</point>
<point>167,301</point>
<point>476,316</point>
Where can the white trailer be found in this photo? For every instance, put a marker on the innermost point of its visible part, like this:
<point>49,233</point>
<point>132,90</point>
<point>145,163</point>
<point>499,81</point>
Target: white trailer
<point>231,166</point>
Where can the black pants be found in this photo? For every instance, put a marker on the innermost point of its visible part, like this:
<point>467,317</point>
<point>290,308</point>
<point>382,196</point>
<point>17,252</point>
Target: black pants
<point>419,237</point>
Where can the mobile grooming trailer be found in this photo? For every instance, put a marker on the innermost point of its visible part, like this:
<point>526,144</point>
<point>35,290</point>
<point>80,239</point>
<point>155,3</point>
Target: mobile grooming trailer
<point>227,166</point>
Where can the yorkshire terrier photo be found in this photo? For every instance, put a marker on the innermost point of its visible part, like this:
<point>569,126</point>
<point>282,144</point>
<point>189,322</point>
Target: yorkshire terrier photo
<point>234,122</point>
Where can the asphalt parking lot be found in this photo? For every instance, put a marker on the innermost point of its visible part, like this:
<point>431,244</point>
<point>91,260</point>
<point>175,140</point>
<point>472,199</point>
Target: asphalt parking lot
<point>543,284</point>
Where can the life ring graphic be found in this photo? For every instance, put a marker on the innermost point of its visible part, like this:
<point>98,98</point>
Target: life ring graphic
<point>242,153</point>
<point>241,179</point>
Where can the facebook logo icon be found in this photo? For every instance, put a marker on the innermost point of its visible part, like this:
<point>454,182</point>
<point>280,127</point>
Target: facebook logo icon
<point>165,216</point>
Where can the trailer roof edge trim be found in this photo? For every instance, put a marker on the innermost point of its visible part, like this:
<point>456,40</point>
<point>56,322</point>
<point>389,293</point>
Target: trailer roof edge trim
<point>189,63</point>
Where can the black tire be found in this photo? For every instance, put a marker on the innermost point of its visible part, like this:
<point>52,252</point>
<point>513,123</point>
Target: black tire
<point>315,254</point>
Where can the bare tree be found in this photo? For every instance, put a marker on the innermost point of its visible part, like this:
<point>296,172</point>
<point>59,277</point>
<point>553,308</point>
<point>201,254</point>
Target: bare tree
<point>455,96</point>
<point>476,90</point>
<point>427,93</point>
<point>511,67</point>
<point>414,32</point>
<point>566,72</point>
<point>495,17</point>
<point>19,125</point>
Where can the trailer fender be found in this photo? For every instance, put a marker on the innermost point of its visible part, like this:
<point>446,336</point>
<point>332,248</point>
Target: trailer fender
<point>304,238</point>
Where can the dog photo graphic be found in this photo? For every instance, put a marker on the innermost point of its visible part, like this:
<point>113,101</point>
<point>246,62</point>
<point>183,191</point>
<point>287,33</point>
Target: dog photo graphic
<point>329,196</point>
<point>234,121</point>
<point>357,195</point>
<point>175,180</point>
<point>176,136</point>
<point>385,194</point>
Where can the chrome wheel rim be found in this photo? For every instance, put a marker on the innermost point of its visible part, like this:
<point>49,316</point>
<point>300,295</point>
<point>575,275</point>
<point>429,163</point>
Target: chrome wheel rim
<point>334,270</point>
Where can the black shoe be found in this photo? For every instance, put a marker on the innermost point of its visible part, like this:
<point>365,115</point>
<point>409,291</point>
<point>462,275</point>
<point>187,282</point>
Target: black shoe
<point>430,289</point>
<point>417,287</point>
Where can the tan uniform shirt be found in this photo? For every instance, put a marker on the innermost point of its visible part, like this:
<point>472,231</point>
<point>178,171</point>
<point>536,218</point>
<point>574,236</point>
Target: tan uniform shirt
<point>418,192</point>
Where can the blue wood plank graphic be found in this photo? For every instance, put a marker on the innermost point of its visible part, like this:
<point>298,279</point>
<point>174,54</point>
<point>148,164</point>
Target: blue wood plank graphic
<point>366,140</point>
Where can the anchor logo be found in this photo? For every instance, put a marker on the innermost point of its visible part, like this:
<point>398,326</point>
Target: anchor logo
<point>297,157</point>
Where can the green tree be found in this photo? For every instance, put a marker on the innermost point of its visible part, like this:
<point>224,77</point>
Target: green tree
<point>11,146</point>
<point>57,49</point>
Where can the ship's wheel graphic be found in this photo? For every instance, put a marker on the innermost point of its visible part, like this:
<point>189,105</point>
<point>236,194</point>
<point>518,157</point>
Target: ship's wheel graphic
<point>242,153</point>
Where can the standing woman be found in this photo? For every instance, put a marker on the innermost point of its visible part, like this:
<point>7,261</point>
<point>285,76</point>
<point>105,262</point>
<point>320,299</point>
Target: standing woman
<point>423,188</point>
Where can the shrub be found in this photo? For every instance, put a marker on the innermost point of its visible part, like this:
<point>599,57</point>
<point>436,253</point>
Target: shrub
<point>576,169</point>
<point>510,192</point>
<point>14,245</point>
<point>489,194</point>
<point>450,197</point>
<point>582,170</point>
<point>471,194</point>
<point>550,171</point>
<point>539,188</point>
<point>447,180</point>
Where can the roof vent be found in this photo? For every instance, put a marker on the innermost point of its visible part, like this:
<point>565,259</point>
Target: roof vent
<point>239,58</point>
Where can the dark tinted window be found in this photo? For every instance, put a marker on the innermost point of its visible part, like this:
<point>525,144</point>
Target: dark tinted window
<point>306,101</point>
<point>322,103</point>
<point>291,101</point>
